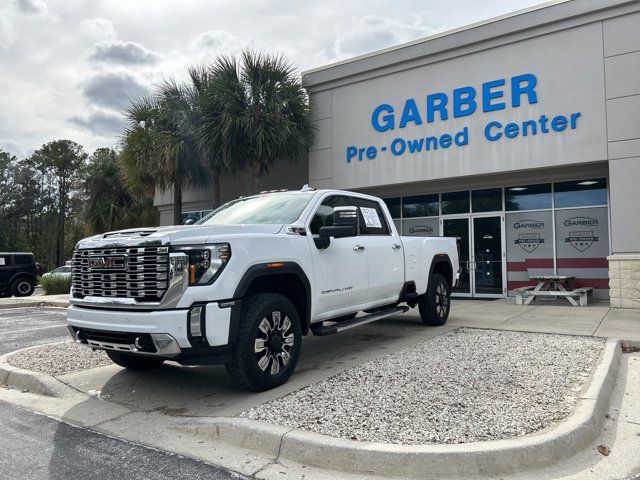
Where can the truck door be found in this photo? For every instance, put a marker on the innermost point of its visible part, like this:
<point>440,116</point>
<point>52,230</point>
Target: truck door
<point>340,271</point>
<point>384,249</point>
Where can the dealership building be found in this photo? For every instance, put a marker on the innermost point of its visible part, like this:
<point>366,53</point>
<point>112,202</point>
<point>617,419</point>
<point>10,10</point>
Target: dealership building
<point>519,135</point>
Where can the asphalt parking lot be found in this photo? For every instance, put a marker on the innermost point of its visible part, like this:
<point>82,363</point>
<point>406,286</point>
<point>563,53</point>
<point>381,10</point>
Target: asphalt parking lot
<point>26,327</point>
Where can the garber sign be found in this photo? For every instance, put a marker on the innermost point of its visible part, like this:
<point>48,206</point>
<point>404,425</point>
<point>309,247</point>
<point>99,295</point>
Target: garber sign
<point>461,102</point>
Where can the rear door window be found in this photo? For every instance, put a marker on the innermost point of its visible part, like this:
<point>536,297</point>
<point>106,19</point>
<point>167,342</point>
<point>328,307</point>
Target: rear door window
<point>372,219</point>
<point>23,260</point>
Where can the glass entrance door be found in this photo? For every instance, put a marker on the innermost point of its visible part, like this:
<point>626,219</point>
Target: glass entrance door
<point>458,228</point>
<point>480,240</point>
<point>487,256</point>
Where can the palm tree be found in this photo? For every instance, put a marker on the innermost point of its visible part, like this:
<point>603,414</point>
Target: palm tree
<point>201,96</point>
<point>160,144</point>
<point>255,112</point>
<point>109,204</point>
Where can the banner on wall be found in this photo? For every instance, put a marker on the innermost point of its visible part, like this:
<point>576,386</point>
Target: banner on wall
<point>421,227</point>
<point>529,246</point>
<point>582,246</point>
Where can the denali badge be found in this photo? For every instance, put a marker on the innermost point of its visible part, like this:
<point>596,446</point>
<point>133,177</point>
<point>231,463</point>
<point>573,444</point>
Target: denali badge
<point>108,263</point>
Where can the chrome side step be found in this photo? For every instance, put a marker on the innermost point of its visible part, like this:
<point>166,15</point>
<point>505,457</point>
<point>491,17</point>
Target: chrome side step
<point>332,327</point>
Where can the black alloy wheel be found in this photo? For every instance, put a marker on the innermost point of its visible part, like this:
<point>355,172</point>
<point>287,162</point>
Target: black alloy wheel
<point>268,344</point>
<point>435,304</point>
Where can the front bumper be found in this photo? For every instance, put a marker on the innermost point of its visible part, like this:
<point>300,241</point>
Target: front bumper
<point>162,333</point>
<point>154,344</point>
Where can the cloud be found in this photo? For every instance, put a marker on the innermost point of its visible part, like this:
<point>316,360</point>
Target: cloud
<point>98,28</point>
<point>215,42</point>
<point>12,147</point>
<point>122,53</point>
<point>102,124</point>
<point>113,90</point>
<point>374,32</point>
<point>32,7</point>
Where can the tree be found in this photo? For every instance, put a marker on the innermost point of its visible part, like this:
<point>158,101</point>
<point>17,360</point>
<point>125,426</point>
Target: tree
<point>160,146</point>
<point>62,160</point>
<point>110,204</point>
<point>255,113</point>
<point>202,98</point>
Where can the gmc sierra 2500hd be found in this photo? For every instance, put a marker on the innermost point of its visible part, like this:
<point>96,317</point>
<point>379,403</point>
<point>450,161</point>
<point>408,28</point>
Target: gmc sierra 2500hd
<point>243,285</point>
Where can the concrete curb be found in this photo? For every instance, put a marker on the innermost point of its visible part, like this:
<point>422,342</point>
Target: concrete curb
<point>34,303</point>
<point>487,458</point>
<point>28,380</point>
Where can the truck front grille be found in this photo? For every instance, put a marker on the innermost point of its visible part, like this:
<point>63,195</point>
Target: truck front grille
<point>132,272</point>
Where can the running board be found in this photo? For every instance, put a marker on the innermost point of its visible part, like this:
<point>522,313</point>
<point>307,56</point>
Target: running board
<point>336,327</point>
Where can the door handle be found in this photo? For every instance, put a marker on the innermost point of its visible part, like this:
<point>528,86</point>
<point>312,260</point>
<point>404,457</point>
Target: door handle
<point>396,246</point>
<point>358,248</point>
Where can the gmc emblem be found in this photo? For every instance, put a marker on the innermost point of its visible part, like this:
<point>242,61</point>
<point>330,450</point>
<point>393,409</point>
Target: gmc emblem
<point>107,263</point>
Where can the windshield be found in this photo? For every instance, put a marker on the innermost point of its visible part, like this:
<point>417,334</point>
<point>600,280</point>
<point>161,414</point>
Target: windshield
<point>277,208</point>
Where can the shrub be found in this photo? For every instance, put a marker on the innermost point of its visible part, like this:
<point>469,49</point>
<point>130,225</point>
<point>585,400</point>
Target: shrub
<point>56,284</point>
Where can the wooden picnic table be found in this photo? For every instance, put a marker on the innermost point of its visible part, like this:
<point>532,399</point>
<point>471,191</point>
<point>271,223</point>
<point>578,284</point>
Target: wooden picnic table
<point>554,285</point>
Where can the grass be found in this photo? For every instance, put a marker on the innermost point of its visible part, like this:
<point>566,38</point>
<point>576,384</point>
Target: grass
<point>56,284</point>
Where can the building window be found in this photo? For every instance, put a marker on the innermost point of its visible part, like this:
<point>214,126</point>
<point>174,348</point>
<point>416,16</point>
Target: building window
<point>580,193</point>
<point>527,197</point>
<point>393,204</point>
<point>420,206</point>
<point>455,202</point>
<point>489,200</point>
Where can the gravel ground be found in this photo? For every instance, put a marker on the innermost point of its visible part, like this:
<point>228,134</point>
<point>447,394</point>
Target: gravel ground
<point>464,386</point>
<point>59,358</point>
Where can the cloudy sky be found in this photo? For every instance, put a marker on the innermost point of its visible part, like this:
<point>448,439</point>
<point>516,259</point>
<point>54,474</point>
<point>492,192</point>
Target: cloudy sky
<point>68,67</point>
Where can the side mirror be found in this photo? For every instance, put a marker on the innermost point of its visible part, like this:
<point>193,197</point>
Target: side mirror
<point>190,221</point>
<point>345,224</point>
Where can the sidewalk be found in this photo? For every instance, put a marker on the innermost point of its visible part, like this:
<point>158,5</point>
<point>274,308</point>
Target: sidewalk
<point>598,319</point>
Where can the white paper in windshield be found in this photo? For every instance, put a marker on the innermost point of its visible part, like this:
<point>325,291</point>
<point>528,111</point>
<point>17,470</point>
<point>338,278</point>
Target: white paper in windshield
<point>2,261</point>
<point>371,218</point>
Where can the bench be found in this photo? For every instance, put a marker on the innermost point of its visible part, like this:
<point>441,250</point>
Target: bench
<point>583,294</point>
<point>520,292</point>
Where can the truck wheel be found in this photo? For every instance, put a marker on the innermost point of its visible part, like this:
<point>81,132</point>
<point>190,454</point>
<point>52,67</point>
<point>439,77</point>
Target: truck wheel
<point>134,362</point>
<point>435,304</point>
<point>22,287</point>
<point>268,343</point>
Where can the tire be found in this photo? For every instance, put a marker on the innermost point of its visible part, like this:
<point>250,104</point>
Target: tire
<point>22,287</point>
<point>134,362</point>
<point>435,304</point>
<point>268,344</point>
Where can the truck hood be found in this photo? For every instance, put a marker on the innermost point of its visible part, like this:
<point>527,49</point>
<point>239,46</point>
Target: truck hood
<point>175,235</point>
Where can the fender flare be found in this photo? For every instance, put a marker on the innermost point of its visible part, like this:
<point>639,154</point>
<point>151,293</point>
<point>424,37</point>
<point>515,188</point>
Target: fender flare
<point>263,270</point>
<point>441,258</point>
<point>19,275</point>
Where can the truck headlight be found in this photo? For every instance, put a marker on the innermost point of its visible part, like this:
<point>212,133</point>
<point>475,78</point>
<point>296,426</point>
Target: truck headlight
<point>206,261</point>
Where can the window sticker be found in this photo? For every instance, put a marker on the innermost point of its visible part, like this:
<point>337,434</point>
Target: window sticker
<point>2,261</point>
<point>371,218</point>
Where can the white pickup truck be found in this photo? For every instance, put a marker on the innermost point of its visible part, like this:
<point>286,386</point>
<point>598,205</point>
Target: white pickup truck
<point>243,285</point>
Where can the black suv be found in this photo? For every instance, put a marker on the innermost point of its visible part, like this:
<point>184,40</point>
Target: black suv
<point>18,274</point>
